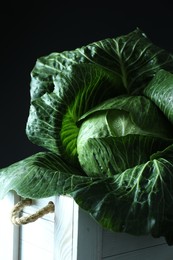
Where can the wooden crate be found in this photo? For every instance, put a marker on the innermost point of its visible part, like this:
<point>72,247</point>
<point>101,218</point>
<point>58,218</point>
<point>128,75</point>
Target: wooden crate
<point>70,234</point>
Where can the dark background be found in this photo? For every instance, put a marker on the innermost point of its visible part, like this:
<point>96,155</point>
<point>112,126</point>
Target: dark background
<point>29,32</point>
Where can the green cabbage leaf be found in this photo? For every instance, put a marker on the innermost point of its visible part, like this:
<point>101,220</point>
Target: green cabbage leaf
<point>104,115</point>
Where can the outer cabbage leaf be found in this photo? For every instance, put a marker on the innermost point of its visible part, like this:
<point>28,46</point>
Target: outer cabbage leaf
<point>41,175</point>
<point>137,201</point>
<point>132,57</point>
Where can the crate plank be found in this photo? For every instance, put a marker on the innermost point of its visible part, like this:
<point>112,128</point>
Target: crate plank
<point>29,251</point>
<point>117,243</point>
<point>9,234</point>
<point>161,252</point>
<point>39,234</point>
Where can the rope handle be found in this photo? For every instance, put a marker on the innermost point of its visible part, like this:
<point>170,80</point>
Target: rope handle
<point>16,220</point>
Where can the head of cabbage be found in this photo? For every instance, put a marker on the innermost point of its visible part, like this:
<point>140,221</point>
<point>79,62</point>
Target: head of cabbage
<point>104,115</point>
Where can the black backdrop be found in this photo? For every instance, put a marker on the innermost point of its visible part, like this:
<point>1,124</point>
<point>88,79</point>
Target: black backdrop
<point>29,31</point>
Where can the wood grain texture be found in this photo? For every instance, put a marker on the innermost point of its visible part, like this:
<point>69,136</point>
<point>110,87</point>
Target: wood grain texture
<point>89,239</point>
<point>63,229</point>
<point>118,243</point>
<point>32,252</point>
<point>160,252</point>
<point>37,238</point>
<point>39,234</point>
<point>77,235</point>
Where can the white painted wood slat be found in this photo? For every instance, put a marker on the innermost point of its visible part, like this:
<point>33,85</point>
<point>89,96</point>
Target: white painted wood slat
<point>63,234</point>
<point>89,237</point>
<point>160,252</point>
<point>39,234</point>
<point>77,236</point>
<point>37,238</point>
<point>118,243</point>
<point>31,252</point>
<point>9,234</point>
